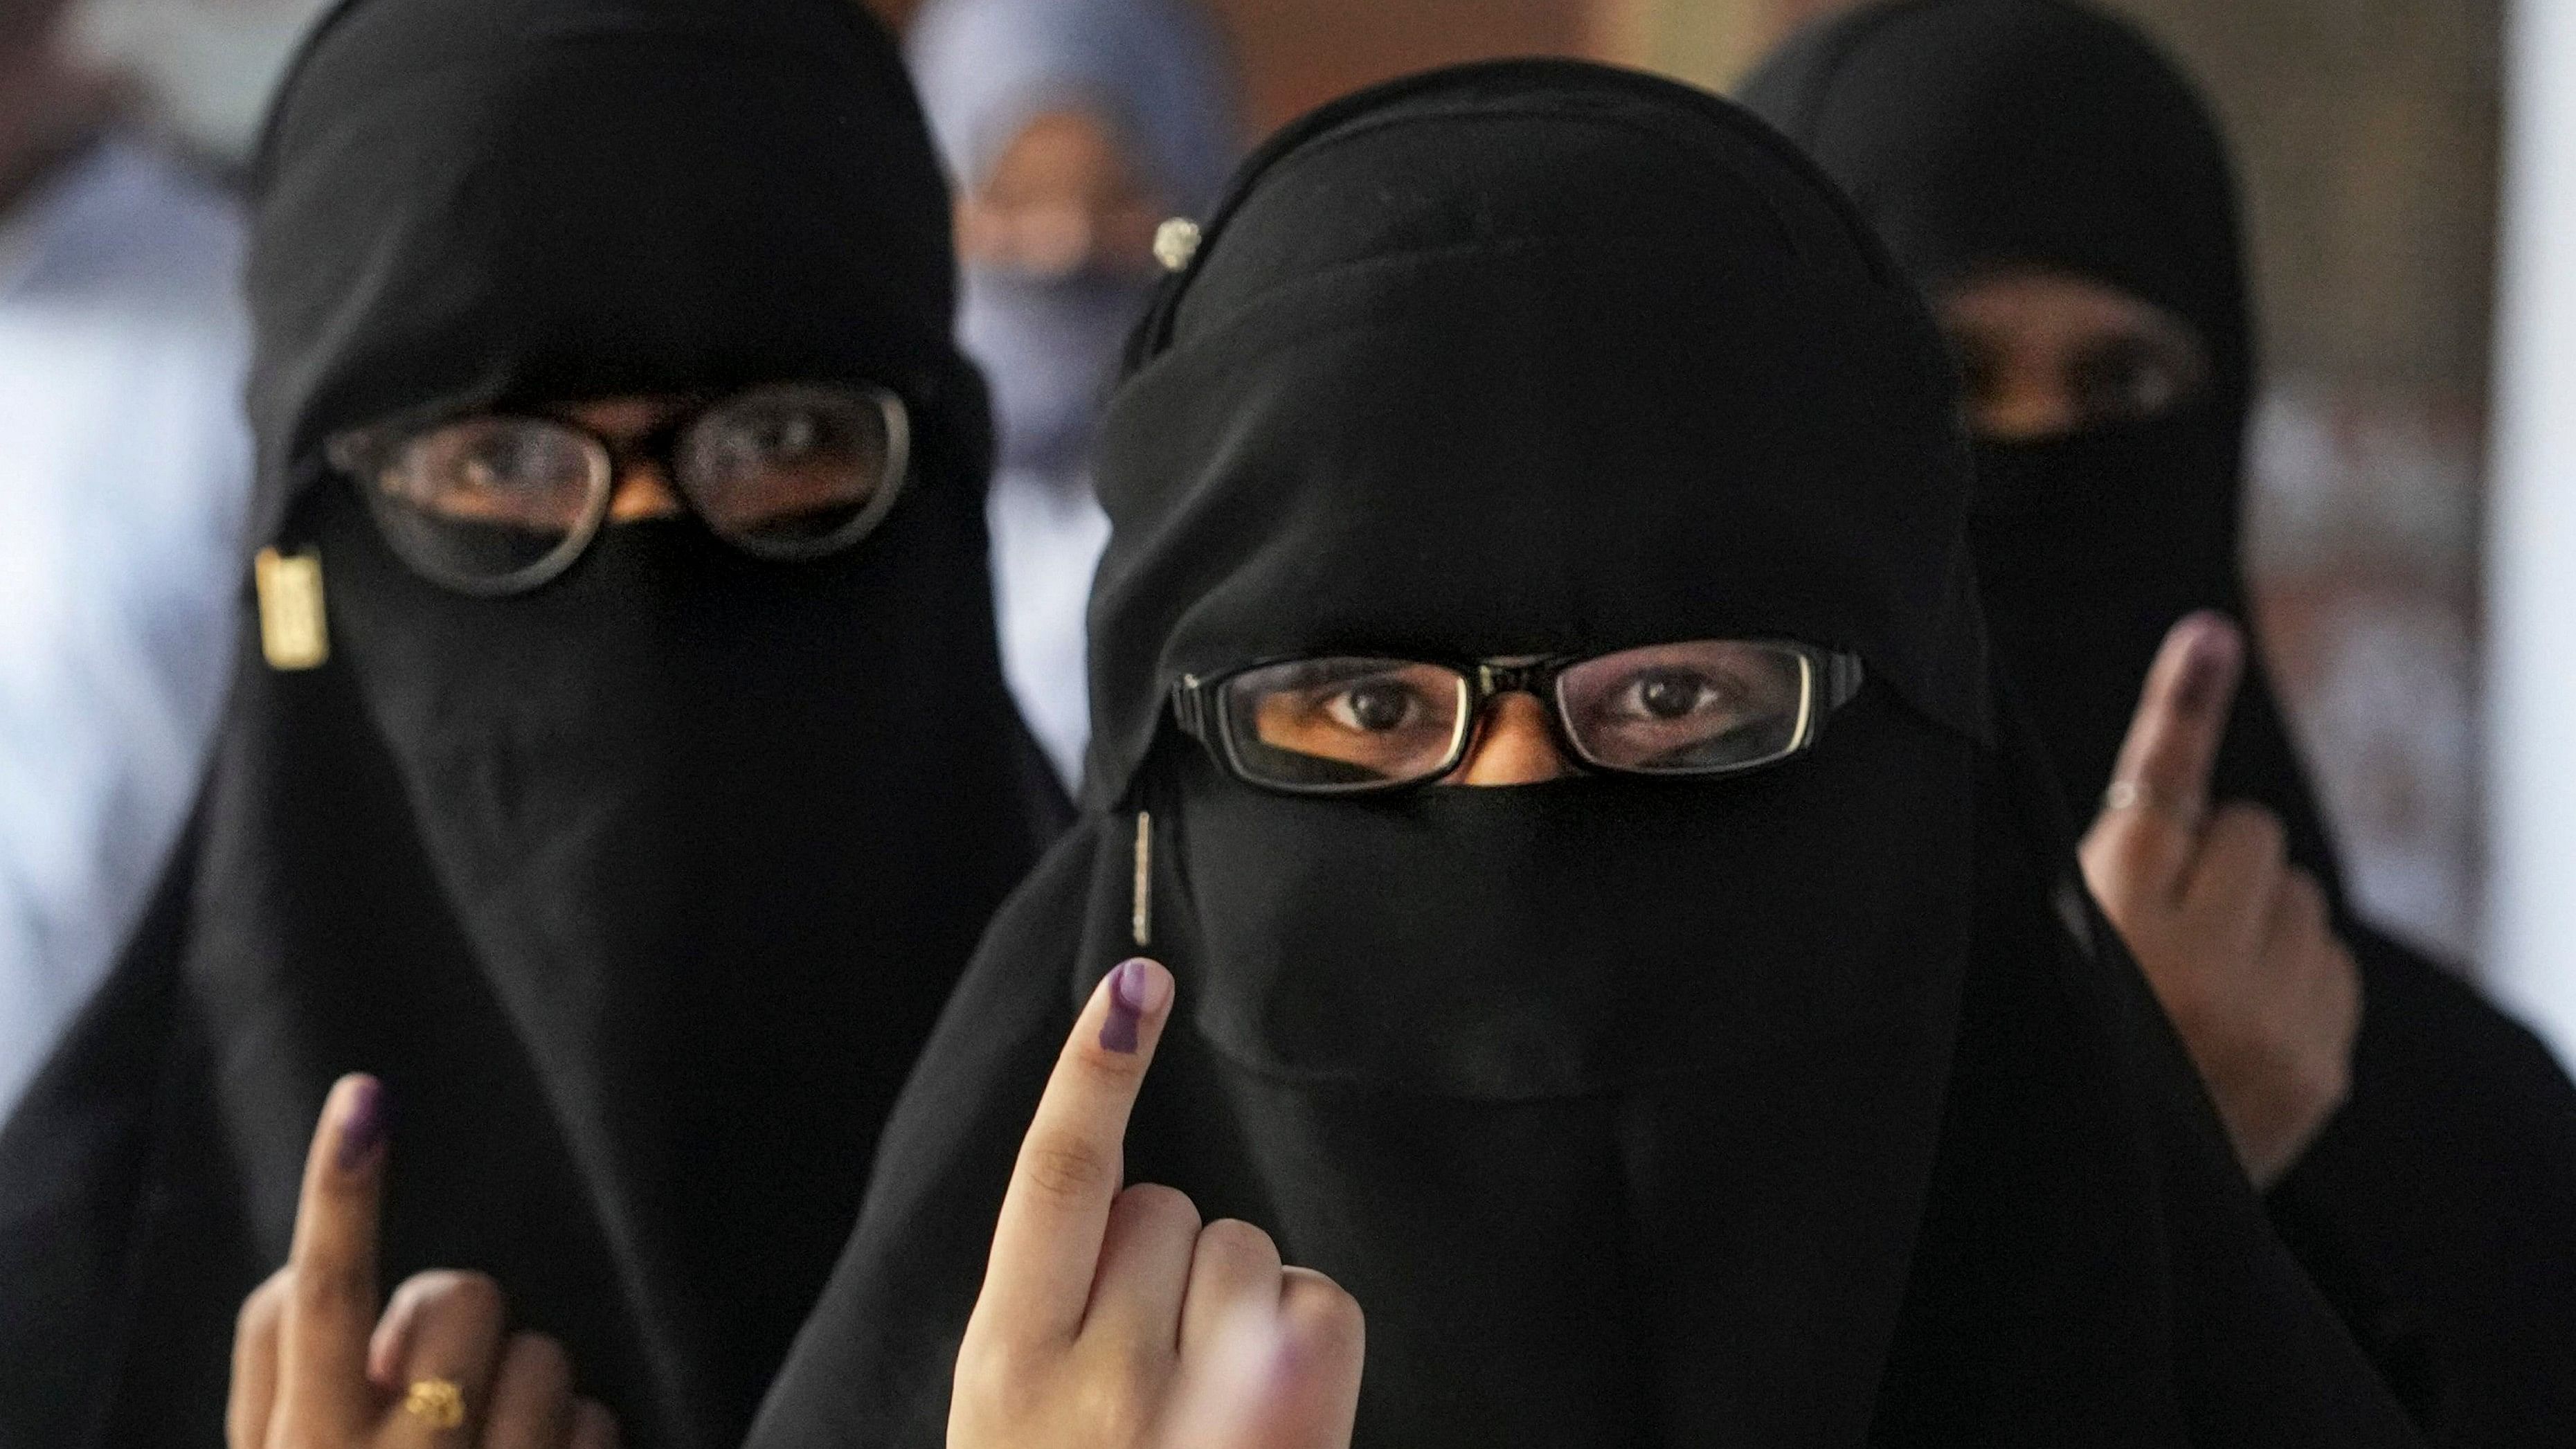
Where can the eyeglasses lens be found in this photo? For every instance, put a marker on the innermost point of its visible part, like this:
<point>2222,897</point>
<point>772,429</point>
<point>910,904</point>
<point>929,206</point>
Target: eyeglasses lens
<point>786,470</point>
<point>1697,708</point>
<point>1345,723</point>
<point>488,498</point>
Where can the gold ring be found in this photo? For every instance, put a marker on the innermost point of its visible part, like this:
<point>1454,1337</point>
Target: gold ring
<point>437,1401</point>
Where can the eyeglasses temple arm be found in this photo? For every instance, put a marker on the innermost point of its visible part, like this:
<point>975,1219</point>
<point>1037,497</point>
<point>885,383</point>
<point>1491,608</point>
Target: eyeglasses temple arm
<point>1842,679</point>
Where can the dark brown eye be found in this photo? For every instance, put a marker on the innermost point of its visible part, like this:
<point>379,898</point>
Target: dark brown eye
<point>1670,694</point>
<point>1378,707</point>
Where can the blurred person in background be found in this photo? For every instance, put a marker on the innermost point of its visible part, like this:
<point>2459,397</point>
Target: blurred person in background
<point>125,472</point>
<point>619,767</point>
<point>2059,188</point>
<point>1071,129</point>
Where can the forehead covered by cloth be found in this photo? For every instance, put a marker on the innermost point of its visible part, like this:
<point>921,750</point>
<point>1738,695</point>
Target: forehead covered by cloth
<point>463,204</point>
<point>1982,134</point>
<point>1528,358</point>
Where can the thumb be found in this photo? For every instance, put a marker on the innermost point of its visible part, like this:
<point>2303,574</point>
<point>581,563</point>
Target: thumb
<point>2159,791</point>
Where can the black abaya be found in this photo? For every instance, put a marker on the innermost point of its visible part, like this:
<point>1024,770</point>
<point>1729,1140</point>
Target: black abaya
<point>1630,1111</point>
<point>2438,1207</point>
<point>639,891</point>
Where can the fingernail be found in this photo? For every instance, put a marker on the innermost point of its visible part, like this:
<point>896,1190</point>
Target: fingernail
<point>362,1131</point>
<point>1134,989</point>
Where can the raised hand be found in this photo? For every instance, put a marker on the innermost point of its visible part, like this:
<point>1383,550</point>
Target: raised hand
<point>315,1368</point>
<point>2235,940</point>
<point>1112,1319</point>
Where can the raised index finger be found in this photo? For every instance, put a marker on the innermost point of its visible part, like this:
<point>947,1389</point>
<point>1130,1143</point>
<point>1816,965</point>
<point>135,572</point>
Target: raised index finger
<point>331,1297</point>
<point>2160,786</point>
<point>1046,1246</point>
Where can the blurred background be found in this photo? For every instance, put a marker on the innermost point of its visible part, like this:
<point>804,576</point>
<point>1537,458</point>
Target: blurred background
<point>2369,136</point>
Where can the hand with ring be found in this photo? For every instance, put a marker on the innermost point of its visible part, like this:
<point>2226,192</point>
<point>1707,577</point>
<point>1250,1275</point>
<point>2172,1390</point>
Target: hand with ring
<point>315,1367</point>
<point>2237,942</point>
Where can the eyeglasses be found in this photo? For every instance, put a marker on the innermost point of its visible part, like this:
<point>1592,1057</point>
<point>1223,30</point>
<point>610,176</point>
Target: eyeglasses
<point>500,503</point>
<point>1347,725</point>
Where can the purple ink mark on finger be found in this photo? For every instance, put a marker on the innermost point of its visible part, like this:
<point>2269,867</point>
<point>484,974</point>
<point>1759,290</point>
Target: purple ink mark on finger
<point>2213,655</point>
<point>363,1130</point>
<point>1127,982</point>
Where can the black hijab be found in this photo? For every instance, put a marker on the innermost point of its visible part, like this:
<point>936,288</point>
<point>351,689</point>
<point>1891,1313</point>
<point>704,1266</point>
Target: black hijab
<point>640,891</point>
<point>2439,1207</point>
<point>1675,1113</point>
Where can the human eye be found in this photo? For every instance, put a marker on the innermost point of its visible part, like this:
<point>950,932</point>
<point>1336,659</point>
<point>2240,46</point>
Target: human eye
<point>1689,706</point>
<point>1389,716</point>
<point>789,452</point>
<point>1379,705</point>
<point>494,462</point>
<point>511,471</point>
<point>1667,694</point>
<point>781,435</point>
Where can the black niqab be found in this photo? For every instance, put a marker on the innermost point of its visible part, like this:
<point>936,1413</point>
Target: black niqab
<point>2439,1207</point>
<point>640,891</point>
<point>1631,1113</point>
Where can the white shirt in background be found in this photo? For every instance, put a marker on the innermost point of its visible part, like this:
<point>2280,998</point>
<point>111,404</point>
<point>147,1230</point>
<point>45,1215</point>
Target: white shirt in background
<point>124,475</point>
<point>1047,532</point>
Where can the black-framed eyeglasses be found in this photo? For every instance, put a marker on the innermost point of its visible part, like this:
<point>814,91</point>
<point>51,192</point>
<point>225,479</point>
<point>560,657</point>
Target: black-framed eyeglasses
<point>499,503</point>
<point>1354,724</point>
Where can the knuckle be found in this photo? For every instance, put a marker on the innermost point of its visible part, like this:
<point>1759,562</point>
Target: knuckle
<point>540,1361</point>
<point>1321,1315</point>
<point>263,1304</point>
<point>999,1380</point>
<point>983,1369</point>
<point>1232,1240</point>
<point>328,1287</point>
<point>1066,1167</point>
<point>1110,1406</point>
<point>1155,1206</point>
<point>2114,866</point>
<point>473,1295</point>
<point>593,1427</point>
<point>1237,1235</point>
<point>465,1303</point>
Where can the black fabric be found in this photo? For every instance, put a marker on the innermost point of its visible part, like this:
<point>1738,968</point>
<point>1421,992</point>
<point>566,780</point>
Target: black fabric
<point>639,891</point>
<point>1632,1112</point>
<point>2439,1207</point>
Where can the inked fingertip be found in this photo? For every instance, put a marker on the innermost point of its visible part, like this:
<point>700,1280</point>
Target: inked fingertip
<point>363,1122</point>
<point>1137,988</point>
<point>2212,648</point>
<point>1141,984</point>
<point>2210,634</point>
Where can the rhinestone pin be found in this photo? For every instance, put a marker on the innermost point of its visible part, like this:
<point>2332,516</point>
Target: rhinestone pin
<point>1175,242</point>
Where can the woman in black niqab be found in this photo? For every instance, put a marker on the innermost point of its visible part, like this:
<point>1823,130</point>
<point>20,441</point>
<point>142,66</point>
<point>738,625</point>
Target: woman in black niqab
<point>1630,1110</point>
<point>639,890</point>
<point>2438,1206</point>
